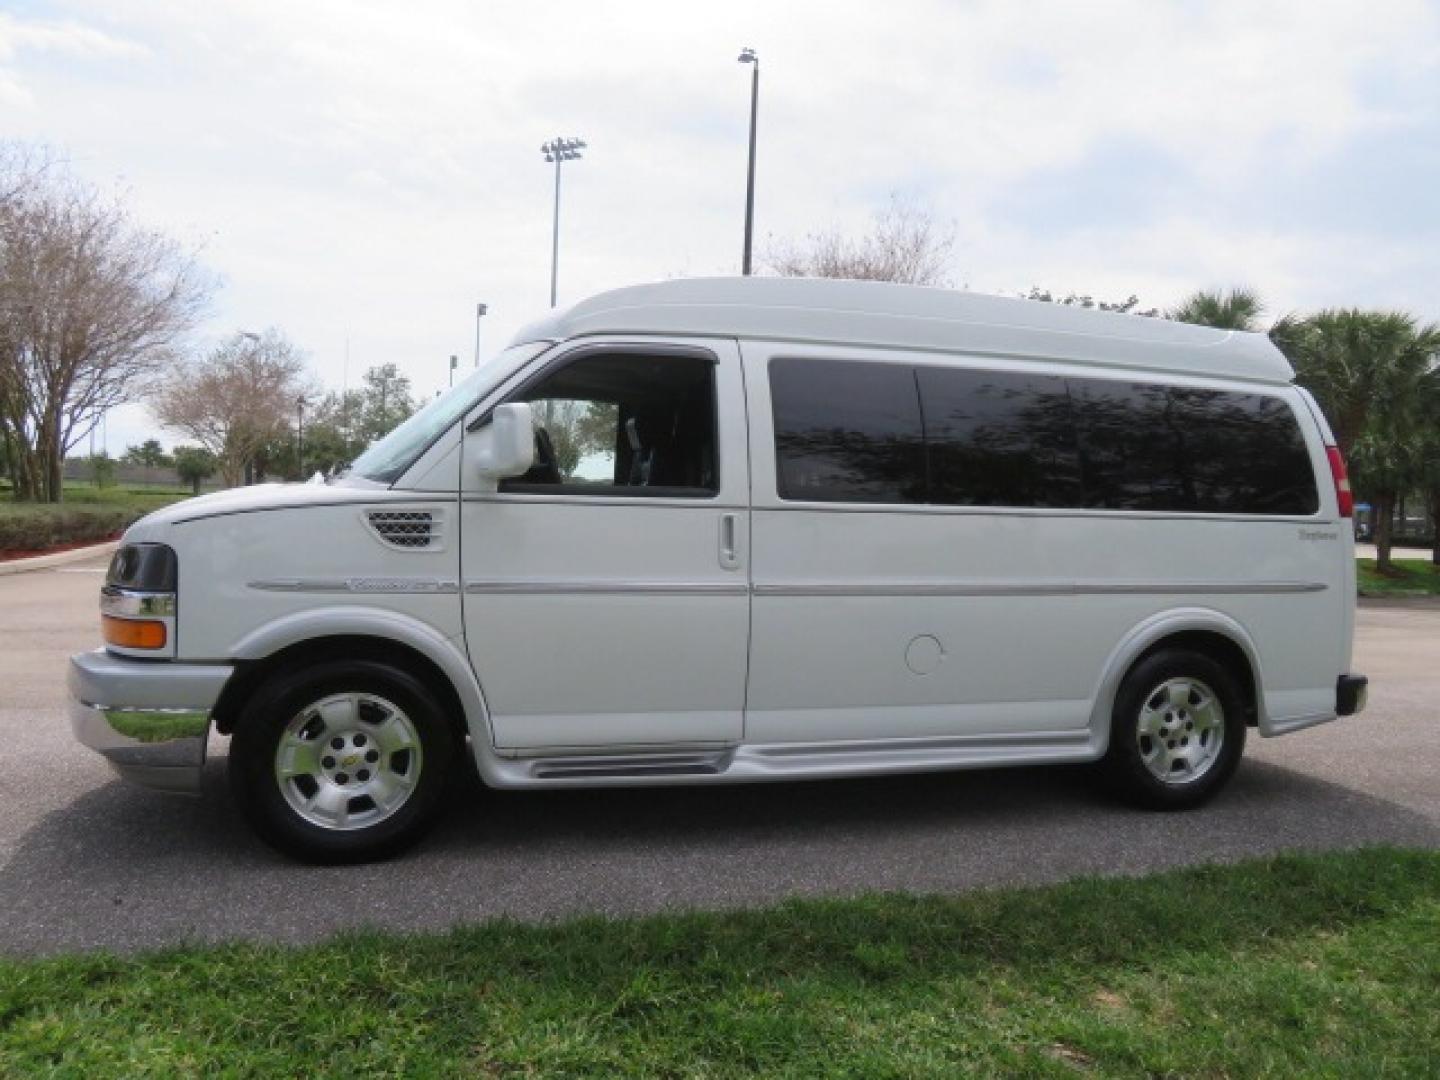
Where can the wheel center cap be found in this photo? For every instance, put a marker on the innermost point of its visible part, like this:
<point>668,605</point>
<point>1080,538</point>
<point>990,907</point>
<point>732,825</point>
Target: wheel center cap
<point>350,759</point>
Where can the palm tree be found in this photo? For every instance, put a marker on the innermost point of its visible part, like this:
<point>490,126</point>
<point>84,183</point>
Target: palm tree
<point>1430,455</point>
<point>1368,370</point>
<point>1239,309</point>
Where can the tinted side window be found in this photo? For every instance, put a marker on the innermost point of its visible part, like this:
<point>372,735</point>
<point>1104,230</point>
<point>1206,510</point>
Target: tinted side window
<point>1151,447</point>
<point>999,438</point>
<point>624,424</point>
<point>847,432</point>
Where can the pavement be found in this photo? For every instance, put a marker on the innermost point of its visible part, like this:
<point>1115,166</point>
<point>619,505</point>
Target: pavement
<point>90,862</point>
<point>1367,551</point>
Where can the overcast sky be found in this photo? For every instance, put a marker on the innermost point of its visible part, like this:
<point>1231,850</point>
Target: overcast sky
<point>371,170</point>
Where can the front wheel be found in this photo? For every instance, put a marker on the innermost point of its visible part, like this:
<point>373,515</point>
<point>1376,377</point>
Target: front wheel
<point>1177,731</point>
<point>343,762</point>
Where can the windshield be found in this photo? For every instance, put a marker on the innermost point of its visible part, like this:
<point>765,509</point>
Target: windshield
<point>387,460</point>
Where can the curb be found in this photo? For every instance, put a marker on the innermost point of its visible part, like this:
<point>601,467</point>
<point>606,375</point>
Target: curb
<point>45,562</point>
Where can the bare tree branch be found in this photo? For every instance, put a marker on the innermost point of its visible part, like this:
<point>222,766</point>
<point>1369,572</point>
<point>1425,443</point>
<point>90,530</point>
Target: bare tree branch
<point>93,309</point>
<point>905,244</point>
<point>236,400</point>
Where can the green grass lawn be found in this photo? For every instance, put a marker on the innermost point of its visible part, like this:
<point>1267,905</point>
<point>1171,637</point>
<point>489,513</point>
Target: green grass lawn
<point>88,514</point>
<point>1302,965</point>
<point>1412,576</point>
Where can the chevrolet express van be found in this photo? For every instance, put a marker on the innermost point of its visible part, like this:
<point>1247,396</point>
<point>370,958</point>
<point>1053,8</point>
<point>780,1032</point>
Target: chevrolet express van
<point>713,531</point>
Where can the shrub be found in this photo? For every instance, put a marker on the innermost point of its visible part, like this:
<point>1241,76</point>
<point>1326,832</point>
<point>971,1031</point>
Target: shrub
<point>35,528</point>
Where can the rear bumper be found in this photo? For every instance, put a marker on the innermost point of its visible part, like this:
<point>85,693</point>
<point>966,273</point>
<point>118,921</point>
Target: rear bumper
<point>1351,692</point>
<point>149,719</point>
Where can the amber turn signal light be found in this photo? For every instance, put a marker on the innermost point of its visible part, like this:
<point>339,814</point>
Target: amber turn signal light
<point>133,633</point>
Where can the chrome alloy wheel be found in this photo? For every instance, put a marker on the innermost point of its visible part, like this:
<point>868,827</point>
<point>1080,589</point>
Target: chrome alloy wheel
<point>348,761</point>
<point>1180,731</point>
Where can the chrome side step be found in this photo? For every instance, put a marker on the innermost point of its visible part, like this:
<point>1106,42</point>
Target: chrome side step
<point>793,761</point>
<point>629,766</point>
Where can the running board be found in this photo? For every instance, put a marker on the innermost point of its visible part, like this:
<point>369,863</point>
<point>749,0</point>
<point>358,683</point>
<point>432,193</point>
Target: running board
<point>794,761</point>
<point>633,765</point>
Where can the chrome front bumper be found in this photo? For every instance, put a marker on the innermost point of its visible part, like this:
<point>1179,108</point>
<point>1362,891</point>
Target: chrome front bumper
<point>150,719</point>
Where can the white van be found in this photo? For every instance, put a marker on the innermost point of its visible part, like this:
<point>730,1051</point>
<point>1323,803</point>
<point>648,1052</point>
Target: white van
<point>739,530</point>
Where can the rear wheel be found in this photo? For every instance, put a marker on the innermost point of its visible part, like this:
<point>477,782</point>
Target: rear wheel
<point>1177,731</point>
<point>344,762</point>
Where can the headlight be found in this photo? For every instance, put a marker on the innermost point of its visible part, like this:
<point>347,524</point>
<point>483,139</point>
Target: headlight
<point>145,567</point>
<point>137,604</point>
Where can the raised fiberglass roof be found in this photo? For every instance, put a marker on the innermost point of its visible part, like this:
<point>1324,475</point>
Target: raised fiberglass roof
<point>883,315</point>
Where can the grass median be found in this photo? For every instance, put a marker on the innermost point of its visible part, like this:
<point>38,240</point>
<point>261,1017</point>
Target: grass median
<point>1410,577</point>
<point>1319,965</point>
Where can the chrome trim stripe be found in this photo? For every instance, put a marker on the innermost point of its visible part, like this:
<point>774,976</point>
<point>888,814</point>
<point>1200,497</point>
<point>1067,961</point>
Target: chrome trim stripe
<point>1034,588</point>
<point>555,587</point>
<point>771,504</point>
<point>588,587</point>
<point>388,586</point>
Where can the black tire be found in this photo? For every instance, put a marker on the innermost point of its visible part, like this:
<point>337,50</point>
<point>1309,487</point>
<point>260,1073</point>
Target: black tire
<point>1124,764</point>
<point>267,807</point>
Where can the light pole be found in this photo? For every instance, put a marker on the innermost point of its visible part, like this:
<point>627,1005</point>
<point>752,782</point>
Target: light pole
<point>300,434</point>
<point>480,310</point>
<point>254,339</point>
<point>747,56</point>
<point>559,150</point>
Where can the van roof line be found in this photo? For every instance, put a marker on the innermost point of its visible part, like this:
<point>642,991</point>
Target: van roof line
<point>885,315</point>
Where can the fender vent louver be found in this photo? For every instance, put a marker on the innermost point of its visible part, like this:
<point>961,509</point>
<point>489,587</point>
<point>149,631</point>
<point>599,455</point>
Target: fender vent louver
<point>409,530</point>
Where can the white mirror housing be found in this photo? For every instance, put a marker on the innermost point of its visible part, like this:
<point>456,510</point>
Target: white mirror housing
<point>505,446</point>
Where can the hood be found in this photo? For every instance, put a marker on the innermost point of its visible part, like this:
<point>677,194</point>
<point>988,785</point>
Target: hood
<point>256,498</point>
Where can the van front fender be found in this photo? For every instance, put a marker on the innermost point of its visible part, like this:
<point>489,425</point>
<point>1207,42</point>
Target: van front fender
<point>446,653</point>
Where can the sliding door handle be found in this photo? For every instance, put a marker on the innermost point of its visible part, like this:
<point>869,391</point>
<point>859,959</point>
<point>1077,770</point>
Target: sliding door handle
<point>729,541</point>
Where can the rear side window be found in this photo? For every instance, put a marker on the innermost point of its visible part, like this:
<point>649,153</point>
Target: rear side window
<point>889,433</point>
<point>847,432</point>
<point>1150,447</point>
<point>999,438</point>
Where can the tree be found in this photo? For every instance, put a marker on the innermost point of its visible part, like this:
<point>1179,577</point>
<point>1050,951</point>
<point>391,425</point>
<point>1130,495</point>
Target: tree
<point>1239,309</point>
<point>1429,455</point>
<point>101,468</point>
<point>1368,370</point>
<point>1128,306</point>
<point>385,402</point>
<point>149,454</point>
<point>194,464</point>
<point>905,244</point>
<point>235,400</point>
<point>339,426</point>
<point>93,309</point>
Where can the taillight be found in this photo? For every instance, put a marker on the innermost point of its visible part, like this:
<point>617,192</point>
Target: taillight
<point>1343,495</point>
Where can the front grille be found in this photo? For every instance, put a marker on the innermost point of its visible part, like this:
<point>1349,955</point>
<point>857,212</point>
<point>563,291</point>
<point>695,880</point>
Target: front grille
<point>408,530</point>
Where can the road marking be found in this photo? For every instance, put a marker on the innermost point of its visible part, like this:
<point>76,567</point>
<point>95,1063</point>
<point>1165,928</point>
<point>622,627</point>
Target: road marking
<point>81,569</point>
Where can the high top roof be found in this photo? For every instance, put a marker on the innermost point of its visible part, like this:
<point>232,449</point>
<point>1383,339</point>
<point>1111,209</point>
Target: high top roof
<point>911,317</point>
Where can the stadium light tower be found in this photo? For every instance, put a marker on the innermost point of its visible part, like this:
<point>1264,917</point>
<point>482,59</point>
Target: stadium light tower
<point>559,151</point>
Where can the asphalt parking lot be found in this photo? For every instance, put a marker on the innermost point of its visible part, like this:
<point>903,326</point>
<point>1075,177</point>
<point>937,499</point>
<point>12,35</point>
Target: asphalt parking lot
<point>87,861</point>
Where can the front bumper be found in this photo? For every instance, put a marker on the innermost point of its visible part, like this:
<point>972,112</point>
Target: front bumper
<point>150,719</point>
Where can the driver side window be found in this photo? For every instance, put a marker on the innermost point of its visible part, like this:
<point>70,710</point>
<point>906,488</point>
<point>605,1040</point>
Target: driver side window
<point>624,423</point>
